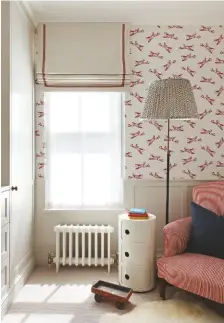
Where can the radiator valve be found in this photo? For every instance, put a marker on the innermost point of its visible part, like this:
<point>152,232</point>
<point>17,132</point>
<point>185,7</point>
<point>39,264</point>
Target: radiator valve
<point>50,258</point>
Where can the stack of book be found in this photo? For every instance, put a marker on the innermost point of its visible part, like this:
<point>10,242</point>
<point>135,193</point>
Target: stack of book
<point>137,214</point>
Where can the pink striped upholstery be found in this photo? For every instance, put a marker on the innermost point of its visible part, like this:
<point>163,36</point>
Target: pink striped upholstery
<point>199,274</point>
<point>176,235</point>
<point>210,196</point>
<point>195,273</point>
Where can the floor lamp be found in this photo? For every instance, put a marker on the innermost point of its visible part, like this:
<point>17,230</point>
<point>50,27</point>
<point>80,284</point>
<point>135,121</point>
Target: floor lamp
<point>169,99</point>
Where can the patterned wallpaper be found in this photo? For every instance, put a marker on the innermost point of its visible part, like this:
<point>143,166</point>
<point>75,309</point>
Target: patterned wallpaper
<point>196,147</point>
<point>40,134</point>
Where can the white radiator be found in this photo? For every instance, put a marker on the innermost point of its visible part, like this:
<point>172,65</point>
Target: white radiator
<point>69,238</point>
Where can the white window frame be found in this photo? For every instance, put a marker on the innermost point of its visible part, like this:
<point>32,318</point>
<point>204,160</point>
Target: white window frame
<point>119,206</point>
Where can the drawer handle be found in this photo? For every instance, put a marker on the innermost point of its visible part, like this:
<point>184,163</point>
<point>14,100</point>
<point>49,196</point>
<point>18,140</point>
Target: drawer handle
<point>126,277</point>
<point>127,231</point>
<point>126,254</point>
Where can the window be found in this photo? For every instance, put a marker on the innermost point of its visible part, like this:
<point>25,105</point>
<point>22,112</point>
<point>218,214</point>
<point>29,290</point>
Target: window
<point>83,145</point>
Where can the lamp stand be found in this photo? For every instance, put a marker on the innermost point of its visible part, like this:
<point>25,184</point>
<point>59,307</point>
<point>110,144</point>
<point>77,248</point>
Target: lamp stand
<point>167,172</point>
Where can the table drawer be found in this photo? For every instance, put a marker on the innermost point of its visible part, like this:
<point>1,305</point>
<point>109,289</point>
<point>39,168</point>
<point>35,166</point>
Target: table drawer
<point>136,253</point>
<point>137,277</point>
<point>137,231</point>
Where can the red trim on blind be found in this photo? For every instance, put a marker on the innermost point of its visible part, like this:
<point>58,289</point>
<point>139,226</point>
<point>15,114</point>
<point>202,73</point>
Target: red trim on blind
<point>44,55</point>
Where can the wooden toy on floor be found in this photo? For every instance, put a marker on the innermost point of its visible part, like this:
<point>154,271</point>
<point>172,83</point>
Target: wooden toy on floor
<point>113,292</point>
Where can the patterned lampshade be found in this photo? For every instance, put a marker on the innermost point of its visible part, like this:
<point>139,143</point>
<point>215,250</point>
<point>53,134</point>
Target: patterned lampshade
<point>170,99</point>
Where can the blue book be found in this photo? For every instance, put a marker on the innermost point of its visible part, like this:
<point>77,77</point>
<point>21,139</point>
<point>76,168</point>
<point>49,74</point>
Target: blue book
<point>137,211</point>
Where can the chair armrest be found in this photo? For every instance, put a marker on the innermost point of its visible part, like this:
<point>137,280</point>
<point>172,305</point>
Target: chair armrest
<point>176,235</point>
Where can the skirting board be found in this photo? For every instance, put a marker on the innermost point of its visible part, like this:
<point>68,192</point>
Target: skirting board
<point>18,284</point>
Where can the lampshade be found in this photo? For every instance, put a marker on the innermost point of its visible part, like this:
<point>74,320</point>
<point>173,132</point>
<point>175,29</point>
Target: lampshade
<point>170,99</point>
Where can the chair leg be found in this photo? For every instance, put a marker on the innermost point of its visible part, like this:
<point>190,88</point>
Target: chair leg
<point>162,288</point>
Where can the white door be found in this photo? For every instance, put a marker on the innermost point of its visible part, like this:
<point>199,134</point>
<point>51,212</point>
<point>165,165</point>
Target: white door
<point>21,141</point>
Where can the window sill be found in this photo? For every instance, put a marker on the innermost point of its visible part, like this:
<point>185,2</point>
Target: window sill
<point>112,209</point>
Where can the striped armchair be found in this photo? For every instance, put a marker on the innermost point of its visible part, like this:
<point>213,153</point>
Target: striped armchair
<point>195,273</point>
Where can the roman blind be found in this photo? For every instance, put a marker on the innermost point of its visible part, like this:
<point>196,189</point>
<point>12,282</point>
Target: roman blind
<point>82,55</point>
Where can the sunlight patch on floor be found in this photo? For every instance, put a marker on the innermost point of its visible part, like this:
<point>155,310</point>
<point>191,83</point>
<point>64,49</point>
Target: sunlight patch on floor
<point>35,293</point>
<point>76,293</point>
<point>71,294</point>
<point>39,318</point>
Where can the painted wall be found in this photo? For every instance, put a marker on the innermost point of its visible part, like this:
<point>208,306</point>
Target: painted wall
<point>196,149</point>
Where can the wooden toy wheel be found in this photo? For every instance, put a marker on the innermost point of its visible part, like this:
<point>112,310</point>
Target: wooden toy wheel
<point>98,298</point>
<point>120,305</point>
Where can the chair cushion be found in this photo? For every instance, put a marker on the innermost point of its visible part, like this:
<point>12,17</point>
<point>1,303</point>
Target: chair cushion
<point>195,273</point>
<point>207,232</point>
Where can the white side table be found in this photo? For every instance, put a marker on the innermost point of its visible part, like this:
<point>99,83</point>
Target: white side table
<point>137,253</point>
